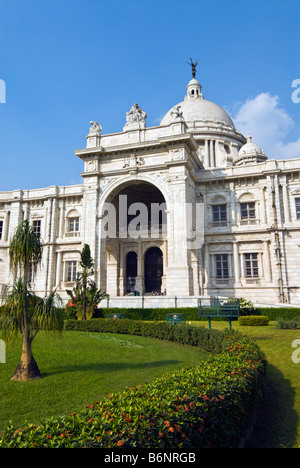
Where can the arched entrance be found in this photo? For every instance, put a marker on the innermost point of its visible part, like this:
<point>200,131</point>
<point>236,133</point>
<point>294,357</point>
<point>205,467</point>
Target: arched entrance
<point>153,270</point>
<point>133,215</point>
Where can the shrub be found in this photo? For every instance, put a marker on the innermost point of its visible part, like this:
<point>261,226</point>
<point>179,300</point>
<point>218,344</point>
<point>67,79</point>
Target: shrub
<point>202,406</point>
<point>253,320</point>
<point>287,324</point>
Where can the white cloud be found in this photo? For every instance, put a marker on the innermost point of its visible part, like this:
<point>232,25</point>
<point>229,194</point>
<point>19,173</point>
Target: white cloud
<point>268,124</point>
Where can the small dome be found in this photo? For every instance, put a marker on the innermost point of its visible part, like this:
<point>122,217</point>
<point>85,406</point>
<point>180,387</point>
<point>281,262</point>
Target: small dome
<point>250,153</point>
<point>250,148</point>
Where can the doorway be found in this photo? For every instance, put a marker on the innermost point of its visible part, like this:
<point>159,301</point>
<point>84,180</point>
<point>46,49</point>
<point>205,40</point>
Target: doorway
<point>153,270</point>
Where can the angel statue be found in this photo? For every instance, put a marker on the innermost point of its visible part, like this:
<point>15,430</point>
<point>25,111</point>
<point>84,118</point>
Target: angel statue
<point>193,65</point>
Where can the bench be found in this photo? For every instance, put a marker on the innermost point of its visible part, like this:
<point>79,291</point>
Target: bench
<point>175,319</point>
<point>214,307</point>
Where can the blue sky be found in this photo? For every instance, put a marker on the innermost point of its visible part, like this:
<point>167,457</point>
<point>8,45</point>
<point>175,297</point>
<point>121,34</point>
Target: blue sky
<point>67,62</point>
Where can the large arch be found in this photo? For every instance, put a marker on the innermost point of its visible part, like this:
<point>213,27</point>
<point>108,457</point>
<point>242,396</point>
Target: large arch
<point>137,215</point>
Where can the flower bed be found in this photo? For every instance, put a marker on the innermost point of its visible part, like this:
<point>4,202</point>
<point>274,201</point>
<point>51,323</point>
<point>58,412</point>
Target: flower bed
<point>209,405</point>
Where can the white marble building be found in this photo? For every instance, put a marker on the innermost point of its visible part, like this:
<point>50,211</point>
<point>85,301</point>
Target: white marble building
<point>227,218</point>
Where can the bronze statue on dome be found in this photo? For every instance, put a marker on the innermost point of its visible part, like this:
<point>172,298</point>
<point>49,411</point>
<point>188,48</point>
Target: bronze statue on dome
<point>193,65</point>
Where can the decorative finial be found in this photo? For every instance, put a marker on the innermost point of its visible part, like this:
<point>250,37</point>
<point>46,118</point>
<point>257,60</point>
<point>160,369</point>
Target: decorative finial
<point>193,65</point>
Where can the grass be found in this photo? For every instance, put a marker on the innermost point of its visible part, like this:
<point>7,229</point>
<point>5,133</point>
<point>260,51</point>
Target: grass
<point>81,368</point>
<point>278,418</point>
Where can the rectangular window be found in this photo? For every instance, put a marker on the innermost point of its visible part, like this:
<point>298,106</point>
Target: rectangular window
<point>1,229</point>
<point>251,265</point>
<point>222,271</point>
<point>71,271</point>
<point>248,210</point>
<point>219,213</point>
<point>297,203</point>
<point>73,224</point>
<point>37,227</point>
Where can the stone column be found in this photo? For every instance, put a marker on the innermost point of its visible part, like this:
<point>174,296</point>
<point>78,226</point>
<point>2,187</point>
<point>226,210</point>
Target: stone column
<point>139,286</point>
<point>236,262</point>
<point>232,203</point>
<point>178,274</point>
<point>61,219</point>
<point>6,226</point>
<point>58,269</point>
<point>262,205</point>
<point>267,264</point>
<point>285,195</point>
<point>207,266</point>
<point>206,155</point>
<point>212,154</point>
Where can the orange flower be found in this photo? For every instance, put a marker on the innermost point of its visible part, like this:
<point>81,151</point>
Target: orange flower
<point>167,423</point>
<point>171,429</point>
<point>160,434</point>
<point>120,443</point>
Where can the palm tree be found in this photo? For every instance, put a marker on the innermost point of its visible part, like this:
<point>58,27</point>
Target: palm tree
<point>86,263</point>
<point>23,311</point>
<point>85,295</point>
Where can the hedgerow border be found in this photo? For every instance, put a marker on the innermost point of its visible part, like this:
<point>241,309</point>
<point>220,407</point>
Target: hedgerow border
<point>203,406</point>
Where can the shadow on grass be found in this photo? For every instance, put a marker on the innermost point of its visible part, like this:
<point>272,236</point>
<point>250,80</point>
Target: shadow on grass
<point>276,424</point>
<point>109,367</point>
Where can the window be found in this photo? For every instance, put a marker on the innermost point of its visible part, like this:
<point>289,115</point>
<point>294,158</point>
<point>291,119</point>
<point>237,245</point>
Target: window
<point>1,229</point>
<point>37,227</point>
<point>219,213</point>
<point>251,265</point>
<point>297,203</point>
<point>74,224</point>
<point>73,227</point>
<point>71,271</point>
<point>247,210</point>
<point>222,266</point>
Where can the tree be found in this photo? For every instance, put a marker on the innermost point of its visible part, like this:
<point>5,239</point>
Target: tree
<point>86,263</point>
<point>85,295</point>
<point>23,311</point>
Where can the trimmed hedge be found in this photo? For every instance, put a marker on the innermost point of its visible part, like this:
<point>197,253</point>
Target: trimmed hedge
<point>274,313</point>
<point>254,320</point>
<point>209,405</point>
<point>191,313</point>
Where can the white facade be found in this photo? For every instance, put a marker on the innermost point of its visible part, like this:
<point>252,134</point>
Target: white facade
<point>229,224</point>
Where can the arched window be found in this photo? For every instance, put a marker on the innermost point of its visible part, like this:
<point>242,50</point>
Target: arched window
<point>72,225</point>
<point>153,269</point>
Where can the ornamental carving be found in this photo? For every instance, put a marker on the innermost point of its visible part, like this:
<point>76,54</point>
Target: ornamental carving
<point>133,162</point>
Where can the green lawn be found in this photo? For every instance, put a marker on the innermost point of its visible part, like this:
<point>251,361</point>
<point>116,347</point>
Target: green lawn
<point>81,368</point>
<point>278,419</point>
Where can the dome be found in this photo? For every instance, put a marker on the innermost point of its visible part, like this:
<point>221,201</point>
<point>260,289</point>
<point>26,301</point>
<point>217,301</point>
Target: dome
<point>195,109</point>
<point>250,148</point>
<point>250,153</point>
